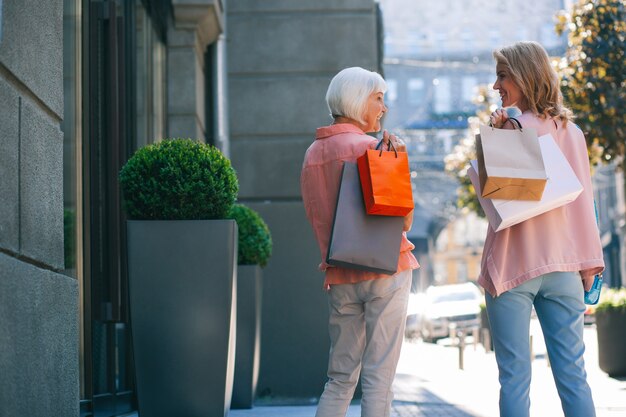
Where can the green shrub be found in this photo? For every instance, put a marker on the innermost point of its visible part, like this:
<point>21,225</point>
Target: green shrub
<point>255,240</point>
<point>612,299</point>
<point>178,179</point>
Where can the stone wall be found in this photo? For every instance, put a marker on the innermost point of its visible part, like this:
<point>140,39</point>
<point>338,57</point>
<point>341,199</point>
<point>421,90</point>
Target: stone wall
<point>38,305</point>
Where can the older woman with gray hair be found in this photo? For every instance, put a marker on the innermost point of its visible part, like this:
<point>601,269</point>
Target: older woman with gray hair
<point>367,309</point>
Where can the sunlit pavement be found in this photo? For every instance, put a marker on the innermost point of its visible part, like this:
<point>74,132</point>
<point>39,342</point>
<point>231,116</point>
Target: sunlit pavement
<point>430,383</point>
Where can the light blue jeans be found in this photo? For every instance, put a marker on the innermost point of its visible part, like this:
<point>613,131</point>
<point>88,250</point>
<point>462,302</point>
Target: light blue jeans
<point>558,301</point>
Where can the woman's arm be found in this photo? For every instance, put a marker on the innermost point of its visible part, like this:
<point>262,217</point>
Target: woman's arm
<point>395,141</point>
<point>408,221</point>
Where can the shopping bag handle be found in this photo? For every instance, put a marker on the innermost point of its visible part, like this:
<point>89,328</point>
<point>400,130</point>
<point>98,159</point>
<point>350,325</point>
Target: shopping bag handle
<point>519,125</point>
<point>389,147</point>
<point>513,119</point>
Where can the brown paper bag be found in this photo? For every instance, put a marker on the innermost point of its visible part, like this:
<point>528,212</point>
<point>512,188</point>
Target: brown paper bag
<point>562,188</point>
<point>510,164</point>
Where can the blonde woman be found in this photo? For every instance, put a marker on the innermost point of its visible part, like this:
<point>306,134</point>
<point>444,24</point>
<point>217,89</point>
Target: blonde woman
<point>547,261</point>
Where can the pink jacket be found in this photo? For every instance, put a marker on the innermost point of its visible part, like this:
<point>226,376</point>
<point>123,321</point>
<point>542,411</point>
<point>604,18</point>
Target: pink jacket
<point>319,183</point>
<point>563,239</point>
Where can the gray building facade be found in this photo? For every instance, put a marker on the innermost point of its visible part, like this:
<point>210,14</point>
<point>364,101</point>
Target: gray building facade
<point>39,338</point>
<point>281,58</point>
<point>83,84</point>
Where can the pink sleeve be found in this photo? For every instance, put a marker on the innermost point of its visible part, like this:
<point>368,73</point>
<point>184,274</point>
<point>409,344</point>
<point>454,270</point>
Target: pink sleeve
<point>579,159</point>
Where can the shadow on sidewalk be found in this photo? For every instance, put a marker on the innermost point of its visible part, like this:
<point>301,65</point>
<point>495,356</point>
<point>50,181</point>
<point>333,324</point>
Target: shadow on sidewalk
<point>412,400</point>
<point>413,409</point>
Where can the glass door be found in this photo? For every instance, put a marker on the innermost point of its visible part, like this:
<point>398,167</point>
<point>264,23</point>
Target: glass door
<point>109,384</point>
<point>114,66</point>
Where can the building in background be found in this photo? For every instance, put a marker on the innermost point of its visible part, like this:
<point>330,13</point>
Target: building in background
<point>437,55</point>
<point>608,187</point>
<point>458,250</point>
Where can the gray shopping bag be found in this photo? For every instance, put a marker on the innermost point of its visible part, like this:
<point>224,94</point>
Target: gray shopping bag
<point>358,240</point>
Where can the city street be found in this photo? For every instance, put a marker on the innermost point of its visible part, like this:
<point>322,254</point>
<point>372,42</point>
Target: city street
<point>169,172</point>
<point>430,383</point>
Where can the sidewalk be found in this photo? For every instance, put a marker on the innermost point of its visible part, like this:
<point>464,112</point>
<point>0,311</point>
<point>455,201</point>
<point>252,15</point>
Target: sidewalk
<point>429,383</point>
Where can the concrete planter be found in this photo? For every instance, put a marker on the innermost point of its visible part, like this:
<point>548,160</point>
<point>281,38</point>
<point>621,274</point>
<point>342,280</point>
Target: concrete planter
<point>182,278</point>
<point>611,329</point>
<point>249,290</point>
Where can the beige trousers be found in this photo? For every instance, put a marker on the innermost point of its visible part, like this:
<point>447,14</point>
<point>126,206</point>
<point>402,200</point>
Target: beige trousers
<point>366,328</point>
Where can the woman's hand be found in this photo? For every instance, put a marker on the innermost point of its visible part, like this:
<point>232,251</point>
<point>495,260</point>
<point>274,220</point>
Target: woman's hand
<point>498,118</point>
<point>395,141</point>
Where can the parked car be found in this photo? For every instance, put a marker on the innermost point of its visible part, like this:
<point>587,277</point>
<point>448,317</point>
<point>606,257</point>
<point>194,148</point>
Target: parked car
<point>414,313</point>
<point>447,304</point>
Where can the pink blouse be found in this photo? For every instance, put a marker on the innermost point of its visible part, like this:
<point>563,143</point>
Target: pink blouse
<point>563,239</point>
<point>319,183</point>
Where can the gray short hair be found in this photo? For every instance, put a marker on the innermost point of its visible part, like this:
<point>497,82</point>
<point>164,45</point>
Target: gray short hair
<point>349,90</point>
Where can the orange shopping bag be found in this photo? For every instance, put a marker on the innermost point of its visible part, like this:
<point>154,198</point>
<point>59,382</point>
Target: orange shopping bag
<point>386,181</point>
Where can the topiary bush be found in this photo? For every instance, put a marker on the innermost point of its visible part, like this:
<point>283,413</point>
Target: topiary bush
<point>255,240</point>
<point>178,179</point>
<point>612,299</point>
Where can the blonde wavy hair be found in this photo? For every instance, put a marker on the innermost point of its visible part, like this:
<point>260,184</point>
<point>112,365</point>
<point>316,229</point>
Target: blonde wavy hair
<point>529,65</point>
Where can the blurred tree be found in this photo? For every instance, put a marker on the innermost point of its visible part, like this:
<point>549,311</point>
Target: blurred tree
<point>458,161</point>
<point>593,84</point>
<point>593,72</point>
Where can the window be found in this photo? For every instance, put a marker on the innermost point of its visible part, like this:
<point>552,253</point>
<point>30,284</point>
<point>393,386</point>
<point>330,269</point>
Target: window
<point>441,41</point>
<point>390,49</point>
<point>72,131</point>
<point>413,42</point>
<point>107,120</point>
<point>468,88</point>
<point>150,90</point>
<point>392,92</point>
<point>443,98</point>
<point>72,127</point>
<point>416,90</point>
<point>461,271</point>
<point>548,35</point>
<point>494,37</point>
<point>440,272</point>
<point>467,39</point>
<point>109,100</point>
<point>460,232</point>
<point>522,33</point>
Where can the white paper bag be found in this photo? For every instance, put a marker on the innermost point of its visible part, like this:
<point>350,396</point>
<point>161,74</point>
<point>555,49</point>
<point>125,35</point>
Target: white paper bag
<point>562,187</point>
<point>510,164</point>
